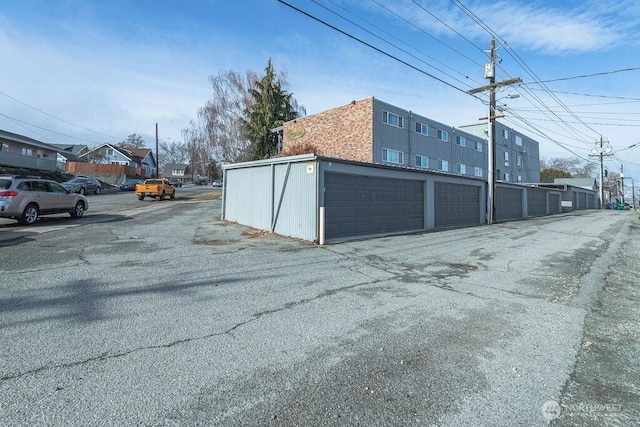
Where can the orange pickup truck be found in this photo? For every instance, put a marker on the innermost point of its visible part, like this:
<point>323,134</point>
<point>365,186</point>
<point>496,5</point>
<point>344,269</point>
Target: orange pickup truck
<point>158,188</point>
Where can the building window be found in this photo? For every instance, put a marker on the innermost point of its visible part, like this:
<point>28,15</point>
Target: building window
<point>177,172</point>
<point>4,147</point>
<point>506,177</point>
<point>506,156</point>
<point>443,135</point>
<point>461,168</point>
<point>479,146</point>
<point>461,141</point>
<point>392,119</point>
<point>443,165</point>
<point>422,128</point>
<point>518,140</point>
<point>108,151</point>
<point>27,152</point>
<point>519,178</point>
<point>478,172</point>
<point>422,161</point>
<point>392,156</point>
<point>518,160</point>
<point>505,133</point>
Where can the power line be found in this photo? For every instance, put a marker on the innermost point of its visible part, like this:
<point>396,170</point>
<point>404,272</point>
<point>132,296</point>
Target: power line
<point>426,33</point>
<point>48,130</point>
<point>391,44</point>
<point>58,118</point>
<point>603,73</point>
<point>371,46</point>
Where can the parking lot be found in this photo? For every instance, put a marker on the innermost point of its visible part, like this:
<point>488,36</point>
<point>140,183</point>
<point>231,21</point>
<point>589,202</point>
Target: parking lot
<point>158,313</point>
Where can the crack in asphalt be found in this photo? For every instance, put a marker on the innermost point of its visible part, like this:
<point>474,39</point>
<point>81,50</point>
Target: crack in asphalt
<point>107,356</point>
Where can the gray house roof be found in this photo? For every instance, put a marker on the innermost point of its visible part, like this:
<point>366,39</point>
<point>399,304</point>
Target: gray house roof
<point>588,183</point>
<point>9,136</point>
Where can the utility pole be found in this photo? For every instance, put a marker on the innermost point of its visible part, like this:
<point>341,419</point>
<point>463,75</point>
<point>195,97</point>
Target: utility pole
<point>622,183</point>
<point>157,159</point>
<point>633,193</point>
<point>600,151</point>
<point>490,73</point>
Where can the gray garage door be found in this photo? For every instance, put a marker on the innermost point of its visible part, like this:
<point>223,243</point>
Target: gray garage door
<point>456,205</point>
<point>358,205</point>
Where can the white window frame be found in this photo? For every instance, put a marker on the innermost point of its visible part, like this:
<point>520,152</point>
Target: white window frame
<point>519,178</point>
<point>479,147</point>
<point>443,135</point>
<point>422,161</point>
<point>506,177</point>
<point>387,117</point>
<point>461,141</point>
<point>27,151</point>
<point>518,140</point>
<point>518,160</point>
<point>506,156</point>
<point>386,152</point>
<point>424,128</point>
<point>505,133</point>
<point>477,171</point>
<point>461,168</point>
<point>443,165</point>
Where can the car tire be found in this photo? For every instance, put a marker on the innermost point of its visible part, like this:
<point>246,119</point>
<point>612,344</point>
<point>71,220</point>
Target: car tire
<point>78,210</point>
<point>140,197</point>
<point>173,195</point>
<point>29,215</point>
<point>98,189</point>
<point>81,191</point>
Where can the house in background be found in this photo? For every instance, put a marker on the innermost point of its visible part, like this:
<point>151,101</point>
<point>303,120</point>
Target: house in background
<point>109,154</point>
<point>20,151</point>
<point>69,152</point>
<point>178,171</point>
<point>373,131</point>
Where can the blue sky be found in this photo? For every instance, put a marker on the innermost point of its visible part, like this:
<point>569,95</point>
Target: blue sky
<point>119,67</point>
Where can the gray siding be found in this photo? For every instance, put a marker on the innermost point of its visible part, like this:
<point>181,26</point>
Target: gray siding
<point>265,196</point>
<point>412,143</point>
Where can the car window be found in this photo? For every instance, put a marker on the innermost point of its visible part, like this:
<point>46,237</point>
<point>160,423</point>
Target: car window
<point>5,184</point>
<point>24,185</point>
<point>57,188</point>
<point>40,186</point>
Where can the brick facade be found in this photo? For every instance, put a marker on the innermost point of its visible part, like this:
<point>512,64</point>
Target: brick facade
<point>345,132</point>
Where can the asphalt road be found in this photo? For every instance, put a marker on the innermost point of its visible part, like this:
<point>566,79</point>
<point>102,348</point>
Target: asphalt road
<point>161,314</point>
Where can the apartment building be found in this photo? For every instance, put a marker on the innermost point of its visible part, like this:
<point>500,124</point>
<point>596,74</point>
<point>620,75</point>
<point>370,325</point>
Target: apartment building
<point>370,130</point>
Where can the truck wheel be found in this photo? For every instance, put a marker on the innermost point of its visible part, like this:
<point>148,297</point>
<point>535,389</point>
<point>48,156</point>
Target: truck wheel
<point>173,195</point>
<point>140,197</point>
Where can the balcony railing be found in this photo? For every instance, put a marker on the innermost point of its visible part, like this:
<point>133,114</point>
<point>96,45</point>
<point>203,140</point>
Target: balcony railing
<point>31,162</point>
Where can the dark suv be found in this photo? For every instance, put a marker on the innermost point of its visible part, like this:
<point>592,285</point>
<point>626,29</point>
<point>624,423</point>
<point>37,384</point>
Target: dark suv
<point>25,198</point>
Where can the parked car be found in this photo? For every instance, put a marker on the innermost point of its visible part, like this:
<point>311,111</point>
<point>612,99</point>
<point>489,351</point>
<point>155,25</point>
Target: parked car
<point>83,185</point>
<point>130,184</point>
<point>175,182</point>
<point>217,183</point>
<point>26,198</point>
